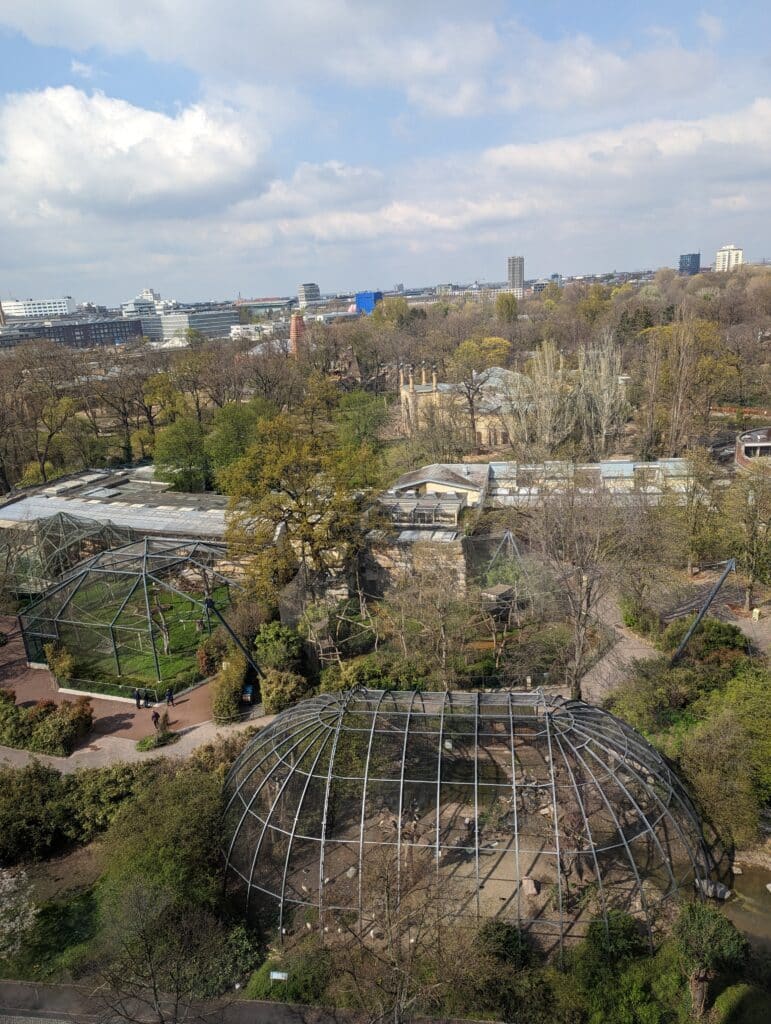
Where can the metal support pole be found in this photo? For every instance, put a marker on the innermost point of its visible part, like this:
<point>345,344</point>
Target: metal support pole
<point>730,567</point>
<point>211,607</point>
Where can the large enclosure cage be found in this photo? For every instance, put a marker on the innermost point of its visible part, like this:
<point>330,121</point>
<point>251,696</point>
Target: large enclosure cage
<point>35,554</point>
<point>140,610</point>
<point>541,812</point>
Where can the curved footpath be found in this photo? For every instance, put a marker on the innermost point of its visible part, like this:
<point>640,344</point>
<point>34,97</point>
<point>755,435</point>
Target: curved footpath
<point>98,750</point>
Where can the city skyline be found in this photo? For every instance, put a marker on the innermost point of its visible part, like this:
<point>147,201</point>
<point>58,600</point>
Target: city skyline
<point>216,150</point>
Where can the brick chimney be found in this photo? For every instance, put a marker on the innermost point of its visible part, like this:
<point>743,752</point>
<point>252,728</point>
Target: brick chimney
<point>296,332</point>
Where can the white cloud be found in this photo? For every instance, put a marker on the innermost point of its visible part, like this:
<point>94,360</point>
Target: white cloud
<point>445,59</point>
<point>82,70</point>
<point>63,149</point>
<point>711,26</point>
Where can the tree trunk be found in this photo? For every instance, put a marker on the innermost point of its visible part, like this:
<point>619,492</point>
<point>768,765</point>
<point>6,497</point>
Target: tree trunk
<point>749,595</point>
<point>699,986</point>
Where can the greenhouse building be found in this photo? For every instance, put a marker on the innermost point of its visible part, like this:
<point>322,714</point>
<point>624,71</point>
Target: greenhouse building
<point>538,811</point>
<point>140,611</point>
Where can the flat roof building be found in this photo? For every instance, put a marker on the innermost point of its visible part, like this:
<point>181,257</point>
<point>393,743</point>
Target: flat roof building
<point>689,264</point>
<point>728,258</point>
<point>308,293</point>
<point>89,332</point>
<point>516,275</point>
<point>125,498</point>
<point>39,307</point>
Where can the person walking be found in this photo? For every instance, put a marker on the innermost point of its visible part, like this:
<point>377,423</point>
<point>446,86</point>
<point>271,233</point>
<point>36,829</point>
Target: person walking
<point>137,697</point>
<point>156,719</point>
<point>147,698</point>
<point>170,697</point>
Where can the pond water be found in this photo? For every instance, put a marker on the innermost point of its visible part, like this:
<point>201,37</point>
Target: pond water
<point>750,907</point>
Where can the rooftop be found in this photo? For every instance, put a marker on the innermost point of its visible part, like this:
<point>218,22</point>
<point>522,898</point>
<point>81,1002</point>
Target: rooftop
<point>128,498</point>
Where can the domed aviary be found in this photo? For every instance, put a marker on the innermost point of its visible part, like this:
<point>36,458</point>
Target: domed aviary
<point>539,811</point>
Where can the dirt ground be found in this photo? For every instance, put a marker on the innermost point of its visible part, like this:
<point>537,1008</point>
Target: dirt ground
<point>72,871</point>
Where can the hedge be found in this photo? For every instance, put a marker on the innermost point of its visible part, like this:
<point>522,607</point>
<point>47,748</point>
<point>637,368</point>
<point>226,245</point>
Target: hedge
<point>46,727</point>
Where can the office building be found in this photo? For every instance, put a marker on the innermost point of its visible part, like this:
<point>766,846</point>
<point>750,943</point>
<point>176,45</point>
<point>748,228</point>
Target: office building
<point>212,323</point>
<point>76,333</point>
<point>32,308</point>
<point>516,275</point>
<point>729,257</point>
<point>308,293</point>
<point>690,263</point>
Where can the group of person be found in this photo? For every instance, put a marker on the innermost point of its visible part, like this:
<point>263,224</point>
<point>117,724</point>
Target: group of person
<point>143,698</point>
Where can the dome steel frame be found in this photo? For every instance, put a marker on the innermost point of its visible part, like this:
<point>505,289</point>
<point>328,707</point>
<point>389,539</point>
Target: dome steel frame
<point>538,810</point>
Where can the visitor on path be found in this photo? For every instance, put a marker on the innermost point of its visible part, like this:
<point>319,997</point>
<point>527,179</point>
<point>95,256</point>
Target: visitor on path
<point>156,719</point>
<point>170,697</point>
<point>138,697</point>
<point>146,698</point>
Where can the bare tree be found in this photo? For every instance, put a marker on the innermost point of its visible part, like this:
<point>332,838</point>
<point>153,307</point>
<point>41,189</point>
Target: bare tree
<point>157,961</point>
<point>602,404</point>
<point>579,534</point>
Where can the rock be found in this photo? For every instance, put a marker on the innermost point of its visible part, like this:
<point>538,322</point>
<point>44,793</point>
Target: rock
<point>531,886</point>
<point>768,886</point>
<point>714,890</point>
<point>351,872</point>
<point>737,870</point>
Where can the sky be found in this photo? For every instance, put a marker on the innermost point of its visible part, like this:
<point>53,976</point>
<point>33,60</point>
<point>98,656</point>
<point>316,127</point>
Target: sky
<point>213,148</point>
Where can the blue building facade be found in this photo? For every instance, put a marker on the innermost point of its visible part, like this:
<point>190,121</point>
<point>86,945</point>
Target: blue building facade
<point>366,301</point>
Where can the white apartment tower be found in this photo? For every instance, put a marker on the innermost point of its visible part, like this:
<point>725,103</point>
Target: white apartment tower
<point>516,275</point>
<point>728,258</point>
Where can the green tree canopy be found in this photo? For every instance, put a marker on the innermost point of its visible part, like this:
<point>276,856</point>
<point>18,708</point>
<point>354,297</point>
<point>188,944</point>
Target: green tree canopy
<point>180,455</point>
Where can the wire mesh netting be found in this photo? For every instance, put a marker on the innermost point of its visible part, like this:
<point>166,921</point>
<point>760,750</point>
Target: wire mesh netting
<point>542,812</point>
<point>139,610</point>
<point>34,555</point>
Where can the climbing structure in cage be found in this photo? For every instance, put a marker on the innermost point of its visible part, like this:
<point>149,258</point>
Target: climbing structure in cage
<point>543,812</point>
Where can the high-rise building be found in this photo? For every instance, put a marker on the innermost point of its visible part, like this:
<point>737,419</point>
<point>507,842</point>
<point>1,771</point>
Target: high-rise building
<point>728,258</point>
<point>308,293</point>
<point>516,275</point>
<point>32,308</point>
<point>690,263</point>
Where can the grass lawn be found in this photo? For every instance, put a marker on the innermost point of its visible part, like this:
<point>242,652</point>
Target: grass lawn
<point>58,942</point>
<point>90,640</point>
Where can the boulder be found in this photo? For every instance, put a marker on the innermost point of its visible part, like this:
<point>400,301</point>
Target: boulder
<point>714,890</point>
<point>530,886</point>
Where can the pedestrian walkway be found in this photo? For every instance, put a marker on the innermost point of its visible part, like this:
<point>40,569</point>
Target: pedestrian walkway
<point>118,724</point>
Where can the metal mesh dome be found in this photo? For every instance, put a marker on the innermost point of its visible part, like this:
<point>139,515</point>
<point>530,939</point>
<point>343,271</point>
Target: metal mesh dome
<point>540,811</point>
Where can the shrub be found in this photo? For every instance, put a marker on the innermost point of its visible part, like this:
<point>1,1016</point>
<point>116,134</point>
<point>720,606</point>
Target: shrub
<point>228,687</point>
<point>278,647</point>
<point>245,619</point>
<point>60,661</point>
<point>309,970</point>
<point>211,652</point>
<point>167,836</point>
<point>279,690</point>
<point>506,943</point>
<point>711,636</point>
<point>640,617</point>
<point>59,730</point>
<point>45,728</point>
<point>33,813</point>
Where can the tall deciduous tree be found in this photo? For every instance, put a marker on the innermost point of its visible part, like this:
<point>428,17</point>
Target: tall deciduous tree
<point>579,534</point>
<point>469,370</point>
